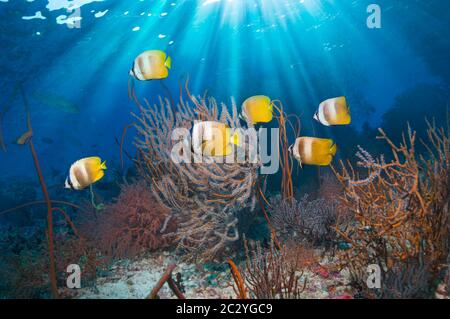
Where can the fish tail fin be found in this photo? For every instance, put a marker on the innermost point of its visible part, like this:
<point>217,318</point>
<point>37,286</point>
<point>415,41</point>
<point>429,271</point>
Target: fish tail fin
<point>271,105</point>
<point>169,62</point>
<point>333,149</point>
<point>103,165</point>
<point>316,116</point>
<point>290,148</point>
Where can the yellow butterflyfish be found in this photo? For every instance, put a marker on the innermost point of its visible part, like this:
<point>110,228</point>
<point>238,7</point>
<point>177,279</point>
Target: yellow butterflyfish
<point>314,151</point>
<point>151,65</point>
<point>333,111</point>
<point>212,138</point>
<point>85,172</point>
<point>257,109</point>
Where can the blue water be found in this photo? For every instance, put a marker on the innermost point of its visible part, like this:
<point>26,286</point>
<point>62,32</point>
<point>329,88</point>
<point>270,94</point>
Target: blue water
<point>300,52</point>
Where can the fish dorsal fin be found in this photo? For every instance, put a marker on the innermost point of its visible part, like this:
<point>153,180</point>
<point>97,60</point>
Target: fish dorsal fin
<point>342,100</point>
<point>92,161</point>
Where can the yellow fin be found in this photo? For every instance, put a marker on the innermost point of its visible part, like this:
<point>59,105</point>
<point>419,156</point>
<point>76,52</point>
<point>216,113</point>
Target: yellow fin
<point>103,165</point>
<point>341,100</point>
<point>98,176</point>
<point>270,106</point>
<point>168,62</point>
<point>157,54</point>
<point>93,162</point>
<point>235,138</point>
<point>333,149</point>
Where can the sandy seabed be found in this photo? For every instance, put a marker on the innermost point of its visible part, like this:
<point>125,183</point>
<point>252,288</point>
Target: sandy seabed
<point>135,279</point>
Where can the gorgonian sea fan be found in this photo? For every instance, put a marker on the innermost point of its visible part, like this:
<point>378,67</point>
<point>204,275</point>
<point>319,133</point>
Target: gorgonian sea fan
<point>204,197</point>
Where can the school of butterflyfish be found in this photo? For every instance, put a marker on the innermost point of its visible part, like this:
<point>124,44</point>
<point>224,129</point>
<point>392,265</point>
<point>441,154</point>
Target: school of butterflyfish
<point>211,138</point>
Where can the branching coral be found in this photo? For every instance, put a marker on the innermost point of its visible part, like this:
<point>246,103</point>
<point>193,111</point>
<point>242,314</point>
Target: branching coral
<point>239,287</point>
<point>400,208</point>
<point>202,196</point>
<point>277,274</point>
<point>135,223</point>
<point>26,138</point>
<point>304,220</point>
<point>406,280</point>
<point>166,277</point>
<point>286,161</point>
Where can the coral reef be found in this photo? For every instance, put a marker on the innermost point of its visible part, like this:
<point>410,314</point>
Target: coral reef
<point>401,213</point>
<point>204,196</point>
<point>304,220</point>
<point>133,224</point>
<point>277,274</point>
<point>18,261</point>
<point>329,186</point>
<point>24,259</point>
<point>407,280</point>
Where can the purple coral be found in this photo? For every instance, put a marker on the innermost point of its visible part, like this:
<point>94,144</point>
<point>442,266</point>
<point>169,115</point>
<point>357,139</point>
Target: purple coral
<point>304,219</point>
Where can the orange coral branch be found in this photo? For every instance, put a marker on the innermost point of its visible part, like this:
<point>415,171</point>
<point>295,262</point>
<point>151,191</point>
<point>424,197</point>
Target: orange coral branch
<point>166,277</point>
<point>174,287</point>
<point>287,187</point>
<point>266,216</point>
<point>68,220</point>
<point>238,280</point>
<point>51,248</point>
<point>401,208</point>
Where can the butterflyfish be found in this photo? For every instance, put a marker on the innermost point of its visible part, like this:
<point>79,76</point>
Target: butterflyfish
<point>333,111</point>
<point>151,65</point>
<point>314,151</point>
<point>212,138</point>
<point>85,172</point>
<point>257,109</point>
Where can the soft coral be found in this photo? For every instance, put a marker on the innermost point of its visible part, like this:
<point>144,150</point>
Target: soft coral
<point>134,223</point>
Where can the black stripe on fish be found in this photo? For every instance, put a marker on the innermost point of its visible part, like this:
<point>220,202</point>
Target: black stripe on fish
<point>70,183</point>
<point>132,70</point>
